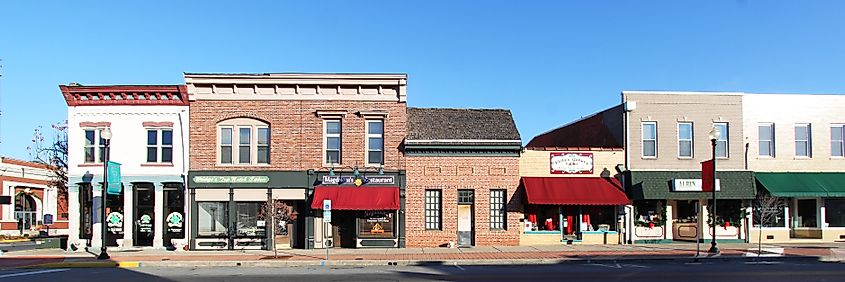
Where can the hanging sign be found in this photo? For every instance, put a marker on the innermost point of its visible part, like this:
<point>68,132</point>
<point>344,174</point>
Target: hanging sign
<point>174,222</point>
<point>570,163</point>
<point>115,184</point>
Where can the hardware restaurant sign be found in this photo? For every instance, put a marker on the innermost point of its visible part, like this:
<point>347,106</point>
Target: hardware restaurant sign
<point>231,179</point>
<point>570,163</point>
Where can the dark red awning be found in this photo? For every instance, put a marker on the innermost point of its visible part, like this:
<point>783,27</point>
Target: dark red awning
<point>357,198</point>
<point>573,191</point>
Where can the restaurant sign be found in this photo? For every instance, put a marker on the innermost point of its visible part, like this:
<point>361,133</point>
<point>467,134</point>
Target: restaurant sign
<point>570,163</point>
<point>378,180</point>
<point>246,179</point>
<point>690,185</point>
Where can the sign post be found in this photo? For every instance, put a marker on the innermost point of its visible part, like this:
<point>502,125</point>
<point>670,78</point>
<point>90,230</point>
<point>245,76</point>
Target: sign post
<point>327,218</point>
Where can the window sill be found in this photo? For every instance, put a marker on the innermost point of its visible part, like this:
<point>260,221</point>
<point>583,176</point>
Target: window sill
<point>648,158</point>
<point>90,165</point>
<point>837,158</point>
<point>802,158</point>
<point>243,165</point>
<point>157,165</point>
<point>766,158</point>
<point>686,158</point>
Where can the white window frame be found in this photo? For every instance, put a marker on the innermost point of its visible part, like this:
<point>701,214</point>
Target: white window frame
<point>690,140</point>
<point>326,137</point>
<point>724,137</point>
<point>771,140</point>
<point>99,146</point>
<point>841,142</point>
<point>236,125</point>
<point>808,141</point>
<point>159,145</point>
<point>643,139</point>
<point>367,137</point>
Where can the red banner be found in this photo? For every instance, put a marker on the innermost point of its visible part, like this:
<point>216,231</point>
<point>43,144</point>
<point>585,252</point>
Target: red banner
<point>707,176</point>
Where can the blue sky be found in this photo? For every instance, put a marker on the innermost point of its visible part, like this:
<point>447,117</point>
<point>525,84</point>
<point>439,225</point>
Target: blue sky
<point>550,62</point>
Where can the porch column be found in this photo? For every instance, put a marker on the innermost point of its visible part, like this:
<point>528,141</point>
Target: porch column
<point>158,221</point>
<point>822,217</point>
<point>97,218</point>
<point>74,218</point>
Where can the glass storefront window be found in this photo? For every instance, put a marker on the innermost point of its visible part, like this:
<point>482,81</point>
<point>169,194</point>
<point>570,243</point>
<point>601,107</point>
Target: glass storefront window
<point>648,212</point>
<point>834,212</point>
<point>727,211</point>
<point>212,219</point>
<point>250,220</point>
<point>376,224</point>
<point>599,218</point>
<point>686,211</point>
<point>806,213</point>
<point>543,217</point>
<point>775,216</point>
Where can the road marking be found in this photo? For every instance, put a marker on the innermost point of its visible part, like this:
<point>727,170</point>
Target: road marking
<point>34,272</point>
<point>640,266</point>
<point>459,267</point>
<point>605,265</point>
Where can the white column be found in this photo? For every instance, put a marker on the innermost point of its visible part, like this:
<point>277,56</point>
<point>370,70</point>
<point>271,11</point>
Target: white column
<point>749,222</point>
<point>73,215</point>
<point>158,222</point>
<point>822,217</point>
<point>669,216</point>
<point>97,218</point>
<point>128,215</point>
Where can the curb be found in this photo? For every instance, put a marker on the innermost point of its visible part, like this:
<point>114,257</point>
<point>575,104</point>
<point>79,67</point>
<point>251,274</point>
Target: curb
<point>88,264</point>
<point>16,240</point>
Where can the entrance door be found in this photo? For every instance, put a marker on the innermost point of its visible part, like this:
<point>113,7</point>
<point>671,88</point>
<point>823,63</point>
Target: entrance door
<point>144,215</point>
<point>805,220</point>
<point>174,213</point>
<point>466,222</point>
<point>343,229</point>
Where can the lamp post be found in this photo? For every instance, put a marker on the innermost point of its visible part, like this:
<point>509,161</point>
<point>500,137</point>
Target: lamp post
<point>714,135</point>
<point>105,134</point>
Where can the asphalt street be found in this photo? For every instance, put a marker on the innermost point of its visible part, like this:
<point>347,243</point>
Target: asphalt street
<point>649,271</point>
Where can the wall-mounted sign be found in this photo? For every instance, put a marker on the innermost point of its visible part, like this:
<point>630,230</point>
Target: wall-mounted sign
<point>690,185</point>
<point>379,180</point>
<point>244,179</point>
<point>570,163</point>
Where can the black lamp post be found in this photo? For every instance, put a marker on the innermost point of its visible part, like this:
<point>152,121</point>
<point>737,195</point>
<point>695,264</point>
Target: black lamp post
<point>714,135</point>
<point>105,134</point>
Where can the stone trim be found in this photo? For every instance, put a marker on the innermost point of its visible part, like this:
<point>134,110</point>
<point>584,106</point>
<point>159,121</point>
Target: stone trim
<point>157,124</point>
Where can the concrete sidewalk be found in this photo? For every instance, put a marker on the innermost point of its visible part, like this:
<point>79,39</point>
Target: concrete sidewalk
<point>548,254</point>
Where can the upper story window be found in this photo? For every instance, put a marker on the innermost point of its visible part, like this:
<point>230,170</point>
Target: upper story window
<point>243,141</point>
<point>159,145</point>
<point>375,142</point>
<point>649,139</point>
<point>94,146</point>
<point>332,141</point>
<point>685,140</point>
<point>766,139</point>
<point>837,140</point>
<point>722,142</point>
<point>803,142</point>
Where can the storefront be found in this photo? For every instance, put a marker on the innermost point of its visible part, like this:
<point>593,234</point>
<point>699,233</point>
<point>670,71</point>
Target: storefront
<point>671,206</point>
<point>240,210</point>
<point>812,207</point>
<point>364,211</point>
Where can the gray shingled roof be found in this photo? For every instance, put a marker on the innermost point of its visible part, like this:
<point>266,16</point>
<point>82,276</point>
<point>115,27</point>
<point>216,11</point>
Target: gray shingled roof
<point>462,124</point>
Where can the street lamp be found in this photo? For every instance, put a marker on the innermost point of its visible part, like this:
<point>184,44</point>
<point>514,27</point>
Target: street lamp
<point>714,135</point>
<point>105,134</point>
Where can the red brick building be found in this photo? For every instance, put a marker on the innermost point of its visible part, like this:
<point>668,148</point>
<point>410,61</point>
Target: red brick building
<point>296,139</point>
<point>463,173</point>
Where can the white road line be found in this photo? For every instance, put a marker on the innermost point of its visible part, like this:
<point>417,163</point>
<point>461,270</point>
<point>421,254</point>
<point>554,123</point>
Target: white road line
<point>34,272</point>
<point>459,267</point>
<point>636,265</point>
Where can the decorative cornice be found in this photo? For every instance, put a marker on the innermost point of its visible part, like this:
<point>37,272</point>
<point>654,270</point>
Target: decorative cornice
<point>297,86</point>
<point>157,124</point>
<point>329,113</point>
<point>372,114</point>
<point>125,95</point>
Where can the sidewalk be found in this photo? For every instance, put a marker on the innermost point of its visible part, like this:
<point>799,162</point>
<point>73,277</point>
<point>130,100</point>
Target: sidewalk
<point>549,254</point>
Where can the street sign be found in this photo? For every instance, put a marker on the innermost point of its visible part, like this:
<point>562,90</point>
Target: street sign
<point>48,219</point>
<point>327,205</point>
<point>115,185</point>
<point>327,216</point>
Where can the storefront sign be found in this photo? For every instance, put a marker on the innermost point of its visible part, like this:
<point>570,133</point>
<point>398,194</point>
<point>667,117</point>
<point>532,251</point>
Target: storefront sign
<point>145,224</point>
<point>174,222</point>
<point>115,222</point>
<point>381,179</point>
<point>690,185</point>
<point>571,163</point>
<point>245,179</point>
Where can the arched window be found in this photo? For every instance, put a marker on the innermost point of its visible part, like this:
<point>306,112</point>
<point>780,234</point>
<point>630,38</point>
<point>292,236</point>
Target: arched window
<point>243,141</point>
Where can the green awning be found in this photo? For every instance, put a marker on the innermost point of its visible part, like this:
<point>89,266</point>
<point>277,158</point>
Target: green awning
<point>657,185</point>
<point>803,184</point>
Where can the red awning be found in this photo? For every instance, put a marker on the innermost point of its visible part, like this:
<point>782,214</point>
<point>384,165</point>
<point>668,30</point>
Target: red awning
<point>357,198</point>
<point>573,191</point>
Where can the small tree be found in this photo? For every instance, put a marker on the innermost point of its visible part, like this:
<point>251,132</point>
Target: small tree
<point>766,210</point>
<point>276,211</point>
<point>52,153</point>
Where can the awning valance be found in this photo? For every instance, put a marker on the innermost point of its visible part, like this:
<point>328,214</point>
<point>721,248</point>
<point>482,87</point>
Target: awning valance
<point>803,184</point>
<point>357,198</point>
<point>573,191</point>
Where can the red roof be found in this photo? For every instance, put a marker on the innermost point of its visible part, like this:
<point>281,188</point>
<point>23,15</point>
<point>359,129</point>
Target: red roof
<point>113,95</point>
<point>574,191</point>
<point>357,198</point>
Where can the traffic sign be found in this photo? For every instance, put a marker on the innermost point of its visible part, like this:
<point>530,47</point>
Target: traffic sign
<point>327,205</point>
<point>327,216</point>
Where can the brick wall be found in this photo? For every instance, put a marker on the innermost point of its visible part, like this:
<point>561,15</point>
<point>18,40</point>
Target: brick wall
<point>296,132</point>
<point>450,174</point>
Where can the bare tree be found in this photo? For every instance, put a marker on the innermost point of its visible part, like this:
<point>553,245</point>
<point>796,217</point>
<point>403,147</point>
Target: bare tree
<point>52,153</point>
<point>766,210</point>
<point>279,214</point>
